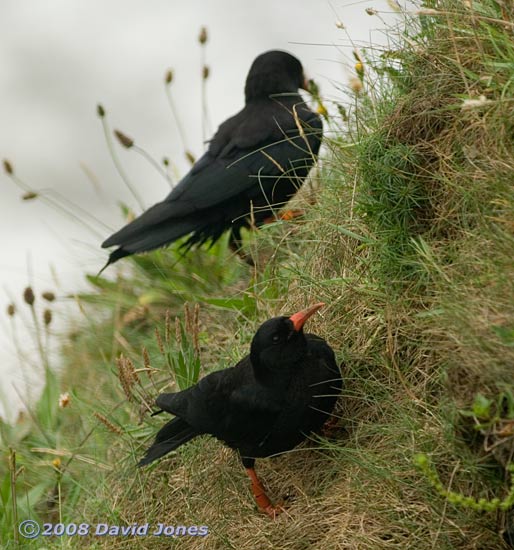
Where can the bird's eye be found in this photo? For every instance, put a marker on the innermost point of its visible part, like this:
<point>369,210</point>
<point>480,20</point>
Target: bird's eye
<point>275,338</point>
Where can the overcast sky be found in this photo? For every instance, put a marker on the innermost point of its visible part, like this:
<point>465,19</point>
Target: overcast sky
<point>59,58</point>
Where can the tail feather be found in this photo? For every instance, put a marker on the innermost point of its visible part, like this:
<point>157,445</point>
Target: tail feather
<point>157,214</point>
<point>114,256</point>
<point>150,237</point>
<point>171,436</point>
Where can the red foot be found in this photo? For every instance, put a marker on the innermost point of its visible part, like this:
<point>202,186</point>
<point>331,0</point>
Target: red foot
<point>330,427</point>
<point>285,215</point>
<point>261,498</point>
<point>288,215</point>
<point>273,511</point>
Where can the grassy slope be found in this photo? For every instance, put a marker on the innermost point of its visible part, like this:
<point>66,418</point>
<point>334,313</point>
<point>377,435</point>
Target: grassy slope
<point>410,244</point>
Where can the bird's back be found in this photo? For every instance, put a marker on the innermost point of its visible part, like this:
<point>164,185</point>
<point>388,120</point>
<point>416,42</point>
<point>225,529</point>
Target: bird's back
<point>308,402</point>
<point>255,163</point>
<point>266,149</point>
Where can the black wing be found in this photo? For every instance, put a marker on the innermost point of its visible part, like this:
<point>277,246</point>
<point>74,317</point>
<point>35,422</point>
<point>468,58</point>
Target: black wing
<point>228,404</point>
<point>259,144</point>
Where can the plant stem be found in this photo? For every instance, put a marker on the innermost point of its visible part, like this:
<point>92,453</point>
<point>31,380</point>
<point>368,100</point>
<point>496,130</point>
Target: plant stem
<point>14,504</point>
<point>118,165</point>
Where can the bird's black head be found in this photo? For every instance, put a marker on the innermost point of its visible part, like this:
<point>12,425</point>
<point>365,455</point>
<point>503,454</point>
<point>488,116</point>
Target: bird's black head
<point>279,343</point>
<point>273,72</point>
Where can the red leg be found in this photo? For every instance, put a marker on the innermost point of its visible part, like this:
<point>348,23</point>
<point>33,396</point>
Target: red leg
<point>263,502</point>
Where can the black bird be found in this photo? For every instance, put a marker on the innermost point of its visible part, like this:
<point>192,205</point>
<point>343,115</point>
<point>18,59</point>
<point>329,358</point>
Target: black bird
<point>285,389</point>
<point>255,163</point>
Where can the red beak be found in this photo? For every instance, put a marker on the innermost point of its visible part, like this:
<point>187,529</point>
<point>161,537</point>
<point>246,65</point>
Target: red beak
<point>299,318</point>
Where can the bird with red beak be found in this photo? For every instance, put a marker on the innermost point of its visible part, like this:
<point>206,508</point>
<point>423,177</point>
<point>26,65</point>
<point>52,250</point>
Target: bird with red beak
<point>284,390</point>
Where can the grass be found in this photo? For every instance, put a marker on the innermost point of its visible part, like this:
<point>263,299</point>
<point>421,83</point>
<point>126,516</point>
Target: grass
<point>410,245</point>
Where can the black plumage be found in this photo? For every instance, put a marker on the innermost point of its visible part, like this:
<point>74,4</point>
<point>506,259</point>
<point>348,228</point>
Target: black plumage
<point>285,389</point>
<point>255,163</point>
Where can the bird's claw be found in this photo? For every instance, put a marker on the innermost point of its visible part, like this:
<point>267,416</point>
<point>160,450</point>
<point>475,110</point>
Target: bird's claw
<point>285,216</point>
<point>291,214</point>
<point>330,427</point>
<point>273,511</point>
